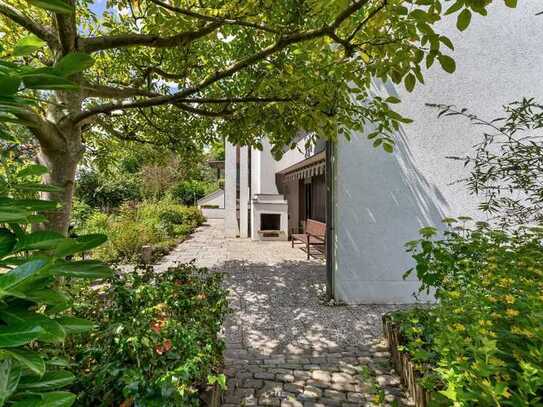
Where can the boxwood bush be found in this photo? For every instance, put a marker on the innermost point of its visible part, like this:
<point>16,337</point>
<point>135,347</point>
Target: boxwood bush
<point>482,343</point>
<point>157,342</point>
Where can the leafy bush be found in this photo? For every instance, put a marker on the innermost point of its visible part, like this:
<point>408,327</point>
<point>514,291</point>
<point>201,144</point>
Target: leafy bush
<point>33,265</point>
<point>482,344</point>
<point>32,299</point>
<point>157,344</point>
<point>188,192</point>
<point>137,225</point>
<point>106,192</point>
<point>81,212</point>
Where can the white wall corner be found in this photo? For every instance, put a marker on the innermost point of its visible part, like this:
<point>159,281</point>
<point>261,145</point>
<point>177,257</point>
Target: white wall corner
<point>244,192</point>
<point>231,228</point>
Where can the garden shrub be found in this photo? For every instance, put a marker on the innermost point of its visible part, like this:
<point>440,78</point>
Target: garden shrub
<point>482,343</point>
<point>188,192</point>
<point>157,342</point>
<point>127,238</point>
<point>106,192</point>
<point>135,225</point>
<point>34,265</point>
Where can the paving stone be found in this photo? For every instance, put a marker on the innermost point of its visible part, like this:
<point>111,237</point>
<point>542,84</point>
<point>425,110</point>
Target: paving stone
<point>321,375</point>
<point>310,392</point>
<point>334,394</point>
<point>264,375</point>
<point>284,347</point>
<point>342,378</point>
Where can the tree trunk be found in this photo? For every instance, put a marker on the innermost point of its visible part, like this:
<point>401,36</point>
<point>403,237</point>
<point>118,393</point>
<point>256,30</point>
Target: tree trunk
<point>62,168</point>
<point>61,159</point>
<point>61,150</point>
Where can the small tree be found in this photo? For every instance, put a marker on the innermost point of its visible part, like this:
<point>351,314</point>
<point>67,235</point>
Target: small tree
<point>235,69</point>
<point>506,169</point>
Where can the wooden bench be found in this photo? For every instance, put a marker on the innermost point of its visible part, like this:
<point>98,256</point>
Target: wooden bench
<point>315,235</point>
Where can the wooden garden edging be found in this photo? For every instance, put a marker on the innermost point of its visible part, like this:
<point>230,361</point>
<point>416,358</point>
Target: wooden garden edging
<point>212,397</point>
<point>403,364</point>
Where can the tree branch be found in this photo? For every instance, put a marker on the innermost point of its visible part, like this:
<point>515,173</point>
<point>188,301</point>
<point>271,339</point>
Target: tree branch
<point>202,112</point>
<point>93,44</point>
<point>221,20</point>
<point>43,130</point>
<point>30,25</point>
<point>247,99</point>
<point>67,30</point>
<point>130,136</point>
<point>109,92</point>
<point>282,43</point>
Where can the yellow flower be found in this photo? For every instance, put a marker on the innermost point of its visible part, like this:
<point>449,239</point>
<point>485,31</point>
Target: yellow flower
<point>454,294</point>
<point>458,327</point>
<point>511,312</point>
<point>509,299</point>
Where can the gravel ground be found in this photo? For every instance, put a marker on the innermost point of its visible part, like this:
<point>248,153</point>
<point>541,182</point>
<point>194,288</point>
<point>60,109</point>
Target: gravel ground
<point>285,346</point>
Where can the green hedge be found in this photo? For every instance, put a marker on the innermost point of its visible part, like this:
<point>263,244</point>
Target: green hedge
<point>482,343</point>
<point>157,342</point>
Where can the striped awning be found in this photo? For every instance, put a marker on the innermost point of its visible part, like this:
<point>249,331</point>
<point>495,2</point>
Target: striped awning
<point>310,167</point>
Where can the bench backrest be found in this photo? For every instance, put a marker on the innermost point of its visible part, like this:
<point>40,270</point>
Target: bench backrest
<point>315,228</point>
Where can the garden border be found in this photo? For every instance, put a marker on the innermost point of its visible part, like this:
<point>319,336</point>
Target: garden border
<point>212,396</point>
<point>403,365</point>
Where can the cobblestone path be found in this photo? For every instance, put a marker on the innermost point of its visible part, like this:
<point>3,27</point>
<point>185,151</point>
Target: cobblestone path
<point>284,346</point>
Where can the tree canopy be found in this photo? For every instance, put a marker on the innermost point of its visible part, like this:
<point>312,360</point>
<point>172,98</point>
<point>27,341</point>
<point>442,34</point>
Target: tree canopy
<point>211,69</point>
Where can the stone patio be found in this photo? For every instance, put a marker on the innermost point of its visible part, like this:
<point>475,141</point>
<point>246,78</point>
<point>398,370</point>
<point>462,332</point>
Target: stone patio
<point>284,345</point>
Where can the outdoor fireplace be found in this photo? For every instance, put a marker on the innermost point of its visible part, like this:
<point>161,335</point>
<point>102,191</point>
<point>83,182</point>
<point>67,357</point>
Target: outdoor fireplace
<point>270,221</point>
<point>269,214</point>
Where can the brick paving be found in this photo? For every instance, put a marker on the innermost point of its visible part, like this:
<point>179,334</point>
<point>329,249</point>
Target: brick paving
<point>284,345</point>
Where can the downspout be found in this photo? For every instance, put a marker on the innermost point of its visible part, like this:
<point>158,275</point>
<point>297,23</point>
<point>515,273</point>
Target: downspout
<point>330,219</point>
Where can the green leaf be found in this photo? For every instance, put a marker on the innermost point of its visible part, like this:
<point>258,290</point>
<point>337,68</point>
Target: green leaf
<point>30,360</point>
<point>410,81</point>
<point>13,215</point>
<point>80,244</point>
<point>51,399</point>
<point>9,379</point>
<point>58,6</point>
<point>82,269</point>
<point>392,99</point>
<point>455,7</point>
<point>447,63</point>
<point>389,148</point>
<point>32,204</point>
<point>12,278</point>
<point>74,325</point>
<point>53,331</point>
<point>90,241</point>
<point>49,381</point>
<point>40,240</point>
<point>448,43</point>
<point>9,84</point>
<point>27,45</point>
<point>464,18</point>
<point>33,187</point>
<point>73,63</point>
<point>57,299</point>
<point>511,3</point>
<point>34,169</point>
<point>48,81</point>
<point>13,336</point>
<point>7,242</point>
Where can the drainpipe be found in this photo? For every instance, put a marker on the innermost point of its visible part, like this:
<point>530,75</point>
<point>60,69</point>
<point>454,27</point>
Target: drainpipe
<point>330,221</point>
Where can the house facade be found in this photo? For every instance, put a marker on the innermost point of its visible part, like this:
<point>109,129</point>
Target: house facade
<point>374,202</point>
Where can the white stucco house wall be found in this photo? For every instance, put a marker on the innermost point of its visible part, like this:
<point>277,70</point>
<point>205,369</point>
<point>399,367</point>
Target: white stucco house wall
<point>212,205</point>
<point>376,201</point>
